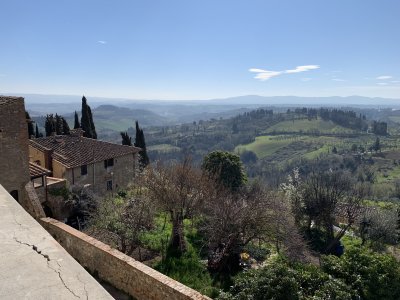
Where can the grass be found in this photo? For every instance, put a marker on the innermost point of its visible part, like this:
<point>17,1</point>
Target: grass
<point>305,125</point>
<point>188,268</point>
<point>266,145</point>
<point>289,146</point>
<point>395,119</point>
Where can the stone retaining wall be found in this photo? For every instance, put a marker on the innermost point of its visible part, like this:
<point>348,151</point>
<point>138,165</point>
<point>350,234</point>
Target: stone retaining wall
<point>120,270</point>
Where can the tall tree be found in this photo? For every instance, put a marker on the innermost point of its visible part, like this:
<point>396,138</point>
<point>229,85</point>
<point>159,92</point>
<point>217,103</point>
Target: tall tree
<point>140,142</point>
<point>65,126</point>
<point>126,139</point>
<point>56,125</point>
<point>37,133</point>
<point>59,125</point>
<point>180,190</point>
<point>31,131</point>
<point>226,168</point>
<point>87,123</point>
<point>76,121</point>
<point>50,125</point>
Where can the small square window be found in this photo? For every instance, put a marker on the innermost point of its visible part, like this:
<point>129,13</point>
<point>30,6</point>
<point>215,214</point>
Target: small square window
<point>84,170</point>
<point>109,163</point>
<point>109,185</point>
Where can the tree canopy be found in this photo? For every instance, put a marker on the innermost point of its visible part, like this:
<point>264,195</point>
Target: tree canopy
<point>226,168</point>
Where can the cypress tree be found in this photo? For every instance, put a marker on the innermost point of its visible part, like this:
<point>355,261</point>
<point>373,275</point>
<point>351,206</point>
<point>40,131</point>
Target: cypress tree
<point>140,142</point>
<point>126,139</point>
<point>76,121</point>
<point>50,125</point>
<point>87,123</point>
<point>59,125</point>
<point>37,133</point>
<point>31,131</point>
<point>65,126</point>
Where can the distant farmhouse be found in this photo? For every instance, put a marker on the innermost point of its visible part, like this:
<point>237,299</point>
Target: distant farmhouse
<point>99,165</point>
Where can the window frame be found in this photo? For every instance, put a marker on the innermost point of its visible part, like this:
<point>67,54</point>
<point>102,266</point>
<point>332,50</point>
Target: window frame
<point>84,170</point>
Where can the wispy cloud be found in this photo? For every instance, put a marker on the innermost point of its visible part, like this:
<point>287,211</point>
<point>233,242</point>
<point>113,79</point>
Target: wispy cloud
<point>384,77</point>
<point>102,42</point>
<point>395,81</point>
<point>382,83</point>
<point>264,75</point>
<point>338,79</point>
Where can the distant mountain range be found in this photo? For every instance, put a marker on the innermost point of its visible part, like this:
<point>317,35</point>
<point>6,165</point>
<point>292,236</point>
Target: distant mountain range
<point>240,100</point>
<point>119,114</point>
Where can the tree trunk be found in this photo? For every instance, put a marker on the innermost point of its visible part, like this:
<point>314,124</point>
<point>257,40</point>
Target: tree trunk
<point>177,242</point>
<point>226,258</point>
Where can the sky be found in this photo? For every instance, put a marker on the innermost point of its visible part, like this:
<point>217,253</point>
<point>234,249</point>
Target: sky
<point>186,49</point>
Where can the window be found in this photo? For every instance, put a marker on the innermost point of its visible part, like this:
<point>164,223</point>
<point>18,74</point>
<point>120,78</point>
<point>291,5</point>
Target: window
<point>108,163</point>
<point>84,170</point>
<point>109,185</point>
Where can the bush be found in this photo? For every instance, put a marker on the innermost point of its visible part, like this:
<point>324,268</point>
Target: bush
<point>282,281</point>
<point>372,275</point>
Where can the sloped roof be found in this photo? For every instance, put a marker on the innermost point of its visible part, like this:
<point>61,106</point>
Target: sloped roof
<point>37,171</point>
<point>74,151</point>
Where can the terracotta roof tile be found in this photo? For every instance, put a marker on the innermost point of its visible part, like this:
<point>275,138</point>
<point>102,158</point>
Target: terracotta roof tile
<point>74,151</point>
<point>37,171</point>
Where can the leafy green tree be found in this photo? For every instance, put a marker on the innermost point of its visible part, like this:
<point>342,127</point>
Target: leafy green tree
<point>126,139</point>
<point>372,275</point>
<point>87,123</point>
<point>226,167</point>
<point>141,143</point>
<point>283,281</point>
<point>76,121</point>
<point>248,157</point>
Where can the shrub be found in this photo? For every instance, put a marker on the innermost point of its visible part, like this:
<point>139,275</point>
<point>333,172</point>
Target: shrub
<point>282,281</point>
<point>372,275</point>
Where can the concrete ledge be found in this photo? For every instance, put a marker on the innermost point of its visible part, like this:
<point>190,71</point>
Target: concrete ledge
<point>33,265</point>
<point>120,270</point>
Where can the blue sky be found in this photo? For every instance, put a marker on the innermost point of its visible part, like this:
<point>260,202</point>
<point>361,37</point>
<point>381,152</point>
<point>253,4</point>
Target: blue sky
<point>201,49</point>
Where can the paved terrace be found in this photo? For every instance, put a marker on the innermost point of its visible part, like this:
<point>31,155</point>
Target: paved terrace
<point>33,265</point>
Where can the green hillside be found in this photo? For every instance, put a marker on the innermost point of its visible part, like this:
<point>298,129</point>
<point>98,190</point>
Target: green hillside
<point>281,147</point>
<point>308,126</point>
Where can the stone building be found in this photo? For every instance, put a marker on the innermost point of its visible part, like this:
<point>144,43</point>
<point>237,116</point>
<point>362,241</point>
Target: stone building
<point>85,162</point>
<point>14,155</point>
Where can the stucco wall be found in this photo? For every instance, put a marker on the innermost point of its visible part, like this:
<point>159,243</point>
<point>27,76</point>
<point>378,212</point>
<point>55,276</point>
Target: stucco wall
<point>59,171</point>
<point>121,174</point>
<point>36,155</point>
<point>122,271</point>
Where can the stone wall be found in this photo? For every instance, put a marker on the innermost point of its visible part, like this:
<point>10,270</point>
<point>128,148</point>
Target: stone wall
<point>120,270</point>
<point>14,156</point>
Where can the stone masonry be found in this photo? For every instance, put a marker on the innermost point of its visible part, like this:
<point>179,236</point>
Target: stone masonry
<point>14,156</point>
